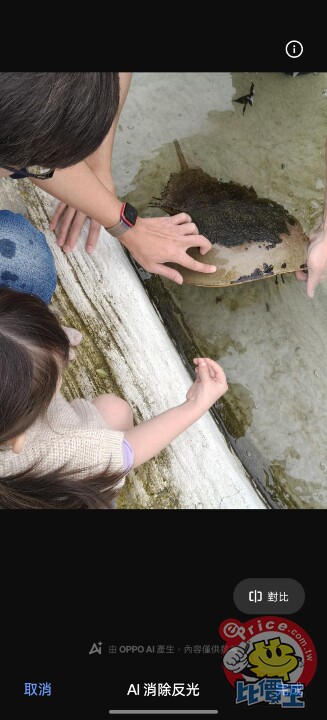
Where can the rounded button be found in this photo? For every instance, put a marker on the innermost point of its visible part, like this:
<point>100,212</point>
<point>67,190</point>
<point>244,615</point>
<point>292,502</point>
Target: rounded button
<point>294,49</point>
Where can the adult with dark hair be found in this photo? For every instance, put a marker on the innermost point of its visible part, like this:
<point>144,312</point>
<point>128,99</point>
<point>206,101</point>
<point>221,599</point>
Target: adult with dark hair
<point>58,129</point>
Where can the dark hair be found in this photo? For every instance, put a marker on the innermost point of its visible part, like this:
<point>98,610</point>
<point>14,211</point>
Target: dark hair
<point>55,119</point>
<point>58,490</point>
<point>33,351</point>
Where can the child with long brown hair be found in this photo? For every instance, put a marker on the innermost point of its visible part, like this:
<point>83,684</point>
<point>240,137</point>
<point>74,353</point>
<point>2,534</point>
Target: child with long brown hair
<point>60,455</point>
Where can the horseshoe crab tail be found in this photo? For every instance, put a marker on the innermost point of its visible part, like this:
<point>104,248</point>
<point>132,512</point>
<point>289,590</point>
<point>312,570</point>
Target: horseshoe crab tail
<point>183,163</point>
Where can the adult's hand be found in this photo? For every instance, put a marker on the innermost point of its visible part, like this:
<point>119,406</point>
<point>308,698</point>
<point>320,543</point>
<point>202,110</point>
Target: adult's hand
<point>155,241</point>
<point>316,260</point>
<point>67,223</point>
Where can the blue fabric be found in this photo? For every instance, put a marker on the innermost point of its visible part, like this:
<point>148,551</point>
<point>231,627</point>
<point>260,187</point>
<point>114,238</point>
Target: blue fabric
<point>26,261</point>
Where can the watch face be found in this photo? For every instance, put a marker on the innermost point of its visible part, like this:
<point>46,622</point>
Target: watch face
<point>129,214</point>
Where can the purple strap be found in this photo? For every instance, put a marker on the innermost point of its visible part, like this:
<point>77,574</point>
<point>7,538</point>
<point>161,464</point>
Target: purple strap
<point>128,454</point>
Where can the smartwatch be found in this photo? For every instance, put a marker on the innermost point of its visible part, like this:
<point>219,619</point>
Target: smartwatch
<point>128,216</point>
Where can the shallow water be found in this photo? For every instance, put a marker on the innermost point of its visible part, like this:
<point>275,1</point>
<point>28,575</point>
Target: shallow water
<point>270,338</point>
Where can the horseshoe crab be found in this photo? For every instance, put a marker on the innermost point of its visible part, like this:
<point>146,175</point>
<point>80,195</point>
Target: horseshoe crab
<point>253,238</point>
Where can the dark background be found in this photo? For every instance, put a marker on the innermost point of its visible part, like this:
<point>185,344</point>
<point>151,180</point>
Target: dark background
<point>143,577</point>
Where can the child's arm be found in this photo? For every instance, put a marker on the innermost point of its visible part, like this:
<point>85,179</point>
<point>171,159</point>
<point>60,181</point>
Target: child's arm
<point>152,436</point>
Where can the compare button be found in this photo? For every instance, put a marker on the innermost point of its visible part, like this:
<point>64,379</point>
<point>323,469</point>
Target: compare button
<point>269,596</point>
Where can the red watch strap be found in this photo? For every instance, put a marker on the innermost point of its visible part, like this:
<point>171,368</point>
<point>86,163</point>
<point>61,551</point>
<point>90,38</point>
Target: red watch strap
<point>123,218</point>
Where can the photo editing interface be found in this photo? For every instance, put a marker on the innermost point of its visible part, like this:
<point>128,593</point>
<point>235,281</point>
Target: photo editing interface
<point>255,653</point>
<point>223,615</point>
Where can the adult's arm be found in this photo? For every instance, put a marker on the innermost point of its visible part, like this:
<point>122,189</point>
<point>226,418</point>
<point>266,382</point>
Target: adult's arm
<point>152,241</point>
<point>67,222</point>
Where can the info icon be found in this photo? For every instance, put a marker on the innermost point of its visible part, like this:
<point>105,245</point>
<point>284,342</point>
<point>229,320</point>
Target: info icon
<point>294,49</point>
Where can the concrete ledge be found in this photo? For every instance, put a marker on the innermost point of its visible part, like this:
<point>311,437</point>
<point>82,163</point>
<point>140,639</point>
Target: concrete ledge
<point>126,350</point>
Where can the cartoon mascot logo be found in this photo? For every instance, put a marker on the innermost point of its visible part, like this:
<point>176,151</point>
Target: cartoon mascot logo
<point>268,659</point>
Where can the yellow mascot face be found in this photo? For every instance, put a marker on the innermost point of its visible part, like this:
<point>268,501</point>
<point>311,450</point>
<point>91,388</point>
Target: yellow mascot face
<point>273,659</point>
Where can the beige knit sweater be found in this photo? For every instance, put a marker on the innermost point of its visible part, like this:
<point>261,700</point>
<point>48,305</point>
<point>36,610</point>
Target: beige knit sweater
<point>72,434</point>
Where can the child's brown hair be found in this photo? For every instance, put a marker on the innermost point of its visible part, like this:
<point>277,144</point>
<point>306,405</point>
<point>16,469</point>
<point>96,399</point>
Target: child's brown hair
<point>33,353</point>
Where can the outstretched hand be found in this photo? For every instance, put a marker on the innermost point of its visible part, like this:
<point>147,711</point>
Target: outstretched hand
<point>155,241</point>
<point>152,242</point>
<point>210,383</point>
<point>316,261</point>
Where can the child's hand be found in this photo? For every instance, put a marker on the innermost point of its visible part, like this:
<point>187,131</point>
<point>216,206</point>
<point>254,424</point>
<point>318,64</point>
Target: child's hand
<point>152,436</point>
<point>210,383</point>
<point>74,337</point>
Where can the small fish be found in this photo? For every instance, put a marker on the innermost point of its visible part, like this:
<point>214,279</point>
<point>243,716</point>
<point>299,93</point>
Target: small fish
<point>246,99</point>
